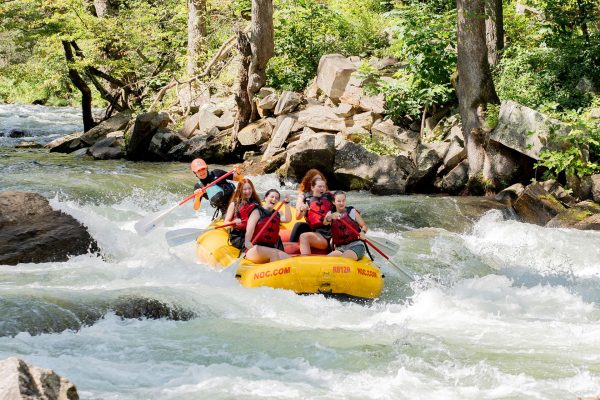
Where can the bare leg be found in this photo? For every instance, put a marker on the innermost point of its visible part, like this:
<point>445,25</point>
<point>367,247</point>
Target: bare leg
<point>311,239</point>
<point>350,254</point>
<point>263,254</point>
<point>335,253</point>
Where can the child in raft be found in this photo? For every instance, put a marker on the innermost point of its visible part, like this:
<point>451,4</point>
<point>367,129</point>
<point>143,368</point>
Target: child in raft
<point>243,201</point>
<point>265,248</point>
<point>345,242</point>
<point>314,207</point>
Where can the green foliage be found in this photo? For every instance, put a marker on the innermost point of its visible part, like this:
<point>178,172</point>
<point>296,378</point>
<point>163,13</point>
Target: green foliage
<point>492,115</point>
<point>378,147</point>
<point>424,39</point>
<point>582,140</point>
<point>307,29</point>
<point>549,58</point>
<point>141,43</point>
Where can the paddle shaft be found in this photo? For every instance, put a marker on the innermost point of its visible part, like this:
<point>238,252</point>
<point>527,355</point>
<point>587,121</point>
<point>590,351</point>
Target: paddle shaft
<point>374,247</point>
<point>219,179</point>
<point>258,235</point>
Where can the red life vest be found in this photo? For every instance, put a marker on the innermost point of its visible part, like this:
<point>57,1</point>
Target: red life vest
<point>320,206</point>
<point>270,235</point>
<point>243,213</point>
<point>340,233</point>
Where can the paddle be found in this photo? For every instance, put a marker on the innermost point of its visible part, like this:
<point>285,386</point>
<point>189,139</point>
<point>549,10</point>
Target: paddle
<point>238,260</point>
<point>149,222</point>
<point>181,236</point>
<point>399,268</point>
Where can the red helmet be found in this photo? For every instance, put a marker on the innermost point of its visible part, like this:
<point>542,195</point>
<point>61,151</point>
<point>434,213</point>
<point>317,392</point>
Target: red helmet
<point>198,164</point>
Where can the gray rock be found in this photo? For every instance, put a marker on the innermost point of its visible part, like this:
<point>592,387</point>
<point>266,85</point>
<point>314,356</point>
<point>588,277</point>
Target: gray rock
<point>455,180</point>
<point>139,138</point>
<point>287,102</point>
<point>31,231</point>
<point>256,133</point>
<point>117,122</point>
<point>162,142</point>
<point>333,74</point>
<point>66,144</point>
<point>537,206</point>
<point>279,137</point>
<point>355,168</point>
<point>596,187</point>
<point>22,381</point>
<point>525,130</point>
<point>317,151</point>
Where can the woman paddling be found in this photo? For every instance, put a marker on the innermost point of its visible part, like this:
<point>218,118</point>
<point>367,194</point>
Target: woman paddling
<point>315,207</point>
<point>345,242</point>
<point>243,202</point>
<point>265,248</point>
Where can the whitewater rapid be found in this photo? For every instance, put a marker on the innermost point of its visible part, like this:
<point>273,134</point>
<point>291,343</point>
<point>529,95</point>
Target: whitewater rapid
<point>499,310</point>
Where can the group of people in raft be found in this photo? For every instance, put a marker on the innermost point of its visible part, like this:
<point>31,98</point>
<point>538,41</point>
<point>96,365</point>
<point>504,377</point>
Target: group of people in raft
<point>327,216</point>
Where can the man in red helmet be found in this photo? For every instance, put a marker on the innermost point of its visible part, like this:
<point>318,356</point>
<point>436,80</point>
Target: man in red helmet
<point>218,194</point>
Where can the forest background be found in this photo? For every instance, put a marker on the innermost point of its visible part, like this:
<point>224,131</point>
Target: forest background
<point>123,52</point>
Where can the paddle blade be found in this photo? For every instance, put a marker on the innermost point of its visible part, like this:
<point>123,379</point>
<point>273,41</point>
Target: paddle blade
<point>149,222</point>
<point>236,264</point>
<point>386,245</point>
<point>182,236</point>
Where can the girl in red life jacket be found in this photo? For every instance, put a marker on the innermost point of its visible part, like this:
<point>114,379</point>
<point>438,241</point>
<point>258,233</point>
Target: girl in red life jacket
<point>315,208</point>
<point>345,242</point>
<point>264,250</point>
<point>304,188</point>
<point>243,201</point>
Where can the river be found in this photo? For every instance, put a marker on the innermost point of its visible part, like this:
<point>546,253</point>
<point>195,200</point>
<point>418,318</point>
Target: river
<point>500,309</point>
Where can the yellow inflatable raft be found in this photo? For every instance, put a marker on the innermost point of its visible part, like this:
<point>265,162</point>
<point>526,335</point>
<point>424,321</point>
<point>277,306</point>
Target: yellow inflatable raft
<point>336,276</point>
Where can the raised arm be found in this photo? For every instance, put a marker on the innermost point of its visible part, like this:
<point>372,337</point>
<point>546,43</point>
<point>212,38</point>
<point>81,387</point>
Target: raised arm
<point>300,206</point>
<point>286,215</point>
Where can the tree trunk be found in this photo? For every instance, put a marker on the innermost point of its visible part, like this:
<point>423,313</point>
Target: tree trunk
<point>102,7</point>
<point>86,93</point>
<point>475,89</point>
<point>252,72</point>
<point>262,44</point>
<point>196,33</point>
<point>243,102</point>
<point>494,29</point>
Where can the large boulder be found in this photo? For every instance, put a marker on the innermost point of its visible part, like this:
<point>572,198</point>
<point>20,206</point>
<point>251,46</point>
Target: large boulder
<point>145,127</point>
<point>455,180</point>
<point>356,168</point>
<point>109,148</point>
<point>333,74</point>
<point>319,118</point>
<point>255,133</point>
<point>66,144</point>
<point>31,231</point>
<point>282,131</point>
<point>287,102</point>
<point>162,142</point>
<point>584,215</point>
<point>536,206</point>
<point>394,137</point>
<point>526,130</point>
<point>22,381</point>
<point>213,147</point>
<point>117,122</point>
<point>315,151</point>
<point>596,187</point>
